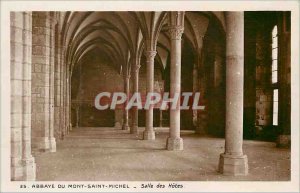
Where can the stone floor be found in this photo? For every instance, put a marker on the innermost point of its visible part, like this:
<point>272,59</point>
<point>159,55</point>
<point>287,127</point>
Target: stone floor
<point>100,154</point>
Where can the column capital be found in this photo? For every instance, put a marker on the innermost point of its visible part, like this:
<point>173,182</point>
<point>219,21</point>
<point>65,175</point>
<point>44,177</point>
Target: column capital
<point>176,32</point>
<point>150,54</point>
<point>176,22</point>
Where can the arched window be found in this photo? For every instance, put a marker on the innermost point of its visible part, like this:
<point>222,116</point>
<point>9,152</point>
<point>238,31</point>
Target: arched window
<point>275,73</point>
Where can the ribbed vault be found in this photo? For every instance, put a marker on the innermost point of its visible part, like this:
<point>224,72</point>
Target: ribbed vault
<point>124,35</point>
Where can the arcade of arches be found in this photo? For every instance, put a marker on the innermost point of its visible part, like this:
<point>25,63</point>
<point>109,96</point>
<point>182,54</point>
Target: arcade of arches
<point>238,61</point>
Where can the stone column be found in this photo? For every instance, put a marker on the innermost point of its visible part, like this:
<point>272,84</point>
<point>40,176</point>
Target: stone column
<point>195,89</point>
<point>149,133</point>
<point>66,100</point>
<point>174,142</point>
<point>233,161</point>
<point>70,103</point>
<point>125,125</point>
<point>22,163</point>
<point>67,126</point>
<point>52,141</point>
<point>29,166</point>
<point>57,84</point>
<point>77,115</point>
<point>63,95</point>
<point>135,110</point>
<point>42,67</point>
<point>64,112</point>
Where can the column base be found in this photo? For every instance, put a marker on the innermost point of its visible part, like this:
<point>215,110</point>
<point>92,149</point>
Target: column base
<point>62,135</point>
<point>125,127</point>
<point>233,165</point>
<point>52,144</point>
<point>16,169</point>
<point>117,125</point>
<point>134,129</point>
<point>174,144</point>
<point>29,168</point>
<point>68,129</point>
<point>149,135</point>
<point>41,143</point>
<point>284,141</point>
<point>195,120</point>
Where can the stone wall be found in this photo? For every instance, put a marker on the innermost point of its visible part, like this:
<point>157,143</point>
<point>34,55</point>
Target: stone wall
<point>95,74</point>
<point>22,163</point>
<point>264,93</point>
<point>258,92</point>
<point>258,110</point>
<point>284,137</point>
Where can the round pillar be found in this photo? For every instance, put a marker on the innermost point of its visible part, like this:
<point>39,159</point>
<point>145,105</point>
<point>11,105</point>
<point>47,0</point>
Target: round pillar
<point>135,115</point>
<point>149,133</point>
<point>174,142</point>
<point>125,122</point>
<point>233,161</point>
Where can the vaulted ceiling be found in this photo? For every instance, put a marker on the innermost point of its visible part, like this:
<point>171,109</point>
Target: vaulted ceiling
<point>122,35</point>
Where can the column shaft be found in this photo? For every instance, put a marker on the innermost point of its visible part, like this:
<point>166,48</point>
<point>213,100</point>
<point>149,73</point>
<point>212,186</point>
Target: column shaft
<point>233,162</point>
<point>175,88</point>
<point>126,88</point>
<point>29,166</point>
<point>149,133</point>
<point>63,99</point>
<point>174,141</point>
<point>62,94</point>
<point>52,141</point>
<point>234,83</point>
<point>195,89</point>
<point>68,101</point>
<point>135,111</point>
<point>57,84</point>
